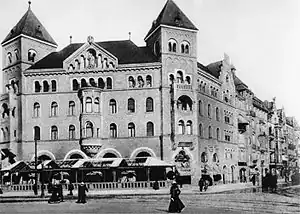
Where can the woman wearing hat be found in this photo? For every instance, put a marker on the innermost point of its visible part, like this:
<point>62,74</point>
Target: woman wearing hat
<point>176,204</point>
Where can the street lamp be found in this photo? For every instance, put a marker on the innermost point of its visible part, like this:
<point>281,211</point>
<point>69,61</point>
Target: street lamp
<point>35,165</point>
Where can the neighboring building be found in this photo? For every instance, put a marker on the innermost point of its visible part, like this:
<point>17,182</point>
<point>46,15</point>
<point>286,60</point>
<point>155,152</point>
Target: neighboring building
<point>115,99</point>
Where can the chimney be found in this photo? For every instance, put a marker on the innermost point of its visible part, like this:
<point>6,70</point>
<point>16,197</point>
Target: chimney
<point>70,39</point>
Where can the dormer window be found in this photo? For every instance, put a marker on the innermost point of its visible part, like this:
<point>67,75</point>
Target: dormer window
<point>172,44</point>
<point>31,55</point>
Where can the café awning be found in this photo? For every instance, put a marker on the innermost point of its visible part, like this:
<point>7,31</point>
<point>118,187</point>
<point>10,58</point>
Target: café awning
<point>16,167</point>
<point>100,163</point>
<point>148,161</point>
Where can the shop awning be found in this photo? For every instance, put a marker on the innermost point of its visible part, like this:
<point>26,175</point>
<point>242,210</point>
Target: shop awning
<point>150,161</point>
<point>66,164</point>
<point>16,167</point>
<point>48,164</point>
<point>101,163</point>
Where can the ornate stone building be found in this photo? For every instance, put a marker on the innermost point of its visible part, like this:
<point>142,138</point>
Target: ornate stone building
<point>115,99</point>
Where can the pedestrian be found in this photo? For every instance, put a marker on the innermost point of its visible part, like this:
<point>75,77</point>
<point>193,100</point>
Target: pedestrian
<point>201,184</point>
<point>176,204</point>
<point>54,198</point>
<point>82,189</point>
<point>70,188</point>
<point>273,181</point>
<point>60,191</point>
<point>253,178</point>
<point>266,181</point>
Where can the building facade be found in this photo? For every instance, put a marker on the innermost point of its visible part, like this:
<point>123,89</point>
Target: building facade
<point>115,99</point>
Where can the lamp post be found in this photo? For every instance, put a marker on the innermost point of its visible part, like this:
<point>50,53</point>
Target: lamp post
<point>35,166</point>
<point>42,181</point>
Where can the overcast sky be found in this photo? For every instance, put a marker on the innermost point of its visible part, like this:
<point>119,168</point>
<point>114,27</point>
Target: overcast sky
<point>260,36</point>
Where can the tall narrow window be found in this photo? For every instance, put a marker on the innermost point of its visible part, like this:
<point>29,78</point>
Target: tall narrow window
<point>36,133</point>
<point>54,109</point>
<point>217,114</point>
<point>113,106</point>
<point>149,81</point>
<point>54,133</point>
<point>83,83</point>
<point>113,130</point>
<point>31,55</point>
<point>9,58</point>
<point>89,129</point>
<point>208,110</point>
<point>101,83</point>
<point>53,85</point>
<point>88,105</point>
<point>131,130</point>
<point>72,108</point>
<point>200,130</point>
<point>218,133</point>
<point>36,110</point>
<point>75,85</point>
<point>131,105</point>
<point>150,129</point>
<point>71,132</point>
<point>149,104</point>
<point>45,86</point>
<point>189,127</point>
<point>37,86</point>
<point>180,127</point>
<point>209,132</point>
<point>131,82</point>
<point>108,83</point>
<point>200,107</point>
<point>17,54</point>
<point>97,105</point>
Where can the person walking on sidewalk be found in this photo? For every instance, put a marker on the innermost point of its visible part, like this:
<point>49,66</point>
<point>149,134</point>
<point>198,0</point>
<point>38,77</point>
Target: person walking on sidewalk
<point>82,189</point>
<point>176,204</point>
<point>70,188</point>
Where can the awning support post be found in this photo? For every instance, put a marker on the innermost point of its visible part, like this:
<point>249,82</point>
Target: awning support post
<point>114,175</point>
<point>148,173</point>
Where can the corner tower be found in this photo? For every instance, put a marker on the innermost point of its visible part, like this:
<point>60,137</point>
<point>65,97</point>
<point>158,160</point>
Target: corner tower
<point>173,37</point>
<point>26,43</point>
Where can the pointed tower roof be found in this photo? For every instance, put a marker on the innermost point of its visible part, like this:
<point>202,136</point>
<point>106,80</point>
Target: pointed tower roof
<point>29,25</point>
<point>172,15</point>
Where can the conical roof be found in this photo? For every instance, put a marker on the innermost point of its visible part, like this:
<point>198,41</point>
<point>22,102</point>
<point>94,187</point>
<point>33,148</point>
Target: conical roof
<point>29,25</point>
<point>172,15</point>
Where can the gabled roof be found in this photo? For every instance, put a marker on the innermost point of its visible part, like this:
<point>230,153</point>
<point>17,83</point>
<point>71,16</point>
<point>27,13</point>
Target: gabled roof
<point>239,84</point>
<point>172,15</point>
<point>125,50</point>
<point>213,69</point>
<point>259,104</point>
<point>29,25</point>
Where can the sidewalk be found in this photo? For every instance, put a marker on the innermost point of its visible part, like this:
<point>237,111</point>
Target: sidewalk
<point>13,197</point>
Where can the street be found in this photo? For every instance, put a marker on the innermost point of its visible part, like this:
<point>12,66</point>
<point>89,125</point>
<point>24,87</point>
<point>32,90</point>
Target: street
<point>285,201</point>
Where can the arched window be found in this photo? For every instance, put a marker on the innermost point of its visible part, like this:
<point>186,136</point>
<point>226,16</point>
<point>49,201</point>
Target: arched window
<point>179,77</point>
<point>182,48</point>
<point>208,110</point>
<point>185,103</point>
<point>131,82</point>
<point>101,83</point>
<point>131,105</point>
<point>215,158</point>
<point>83,83</point>
<point>180,127</point>
<point>89,129</point>
<point>75,85</point>
<point>54,109</point>
<point>209,132</point>
<point>17,54</point>
<point>77,64</point>
<point>45,86</point>
<point>36,110</point>
<point>9,58</point>
<point>204,157</point>
<point>108,83</point>
<point>53,85</point>
<point>188,80</point>
<point>149,104</point>
<point>131,130</point>
<point>37,86</point>
<point>82,62</point>
<point>200,107</point>
<point>31,55</point>
<point>200,130</point>
<point>150,129</point>
<point>218,133</point>
<point>141,82</point>
<point>92,82</point>
<point>54,133</point>
<point>71,108</point>
<point>217,114</point>
<point>149,81</point>
<point>72,132</point>
<point>113,106</point>
<point>113,130</point>
<point>185,47</point>
<point>97,104</point>
<point>189,127</point>
<point>37,133</point>
<point>88,105</point>
<point>172,45</point>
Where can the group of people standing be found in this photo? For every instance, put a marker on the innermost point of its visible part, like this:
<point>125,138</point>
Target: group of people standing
<point>269,181</point>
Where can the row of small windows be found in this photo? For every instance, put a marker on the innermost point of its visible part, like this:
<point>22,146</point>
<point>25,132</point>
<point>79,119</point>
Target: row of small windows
<point>180,78</point>
<point>53,132</point>
<point>16,56</point>
<point>91,82</point>
<point>184,46</point>
<point>210,134</point>
<point>213,90</point>
<point>139,81</point>
<point>185,129</point>
<point>89,107</point>
<point>45,87</point>
<point>209,114</point>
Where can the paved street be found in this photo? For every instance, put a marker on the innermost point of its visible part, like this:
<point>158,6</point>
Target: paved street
<point>287,201</point>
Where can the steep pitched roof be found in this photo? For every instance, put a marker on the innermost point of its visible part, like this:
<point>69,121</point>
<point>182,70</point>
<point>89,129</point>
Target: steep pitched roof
<point>125,50</point>
<point>259,104</point>
<point>239,84</point>
<point>29,25</point>
<point>172,15</point>
<point>213,69</point>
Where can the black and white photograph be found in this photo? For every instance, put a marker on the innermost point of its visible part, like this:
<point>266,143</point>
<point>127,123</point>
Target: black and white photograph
<point>150,106</point>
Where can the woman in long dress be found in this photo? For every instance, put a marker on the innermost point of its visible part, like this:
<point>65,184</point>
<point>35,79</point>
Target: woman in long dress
<point>176,204</point>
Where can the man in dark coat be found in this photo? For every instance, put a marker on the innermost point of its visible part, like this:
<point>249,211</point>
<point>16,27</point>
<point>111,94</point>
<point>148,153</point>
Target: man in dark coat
<point>266,181</point>
<point>176,204</point>
<point>82,189</point>
<point>70,188</point>
<point>273,181</point>
<point>201,184</point>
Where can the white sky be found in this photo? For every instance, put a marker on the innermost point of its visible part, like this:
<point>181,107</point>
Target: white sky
<point>262,37</point>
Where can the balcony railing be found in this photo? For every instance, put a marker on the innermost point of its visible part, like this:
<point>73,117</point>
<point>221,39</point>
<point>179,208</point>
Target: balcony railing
<point>183,86</point>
